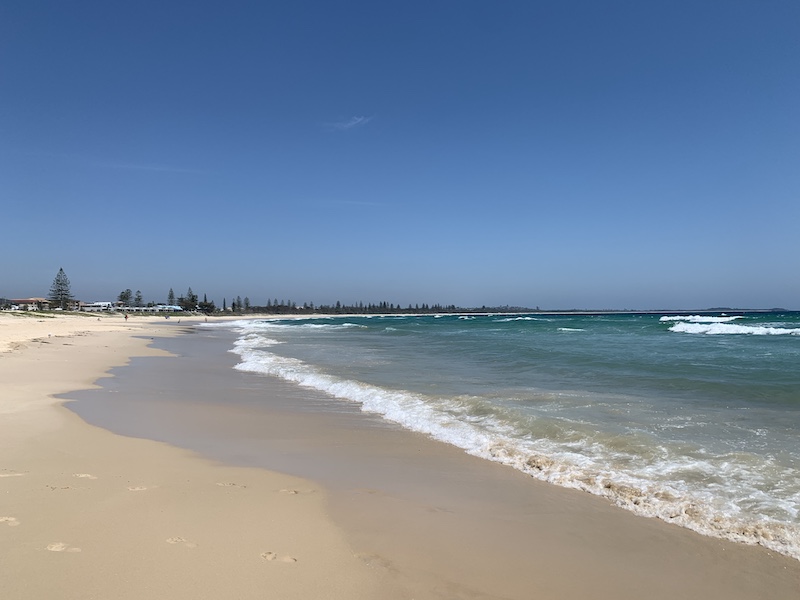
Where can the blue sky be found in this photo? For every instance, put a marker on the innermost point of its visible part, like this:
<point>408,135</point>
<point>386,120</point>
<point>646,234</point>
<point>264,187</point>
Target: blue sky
<point>580,154</point>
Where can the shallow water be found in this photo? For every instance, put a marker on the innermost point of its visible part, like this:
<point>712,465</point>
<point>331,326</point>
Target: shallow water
<point>693,419</point>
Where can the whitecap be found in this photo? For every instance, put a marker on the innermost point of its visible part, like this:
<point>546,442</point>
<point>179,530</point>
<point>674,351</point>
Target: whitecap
<point>730,329</point>
<point>510,319</point>
<point>700,318</point>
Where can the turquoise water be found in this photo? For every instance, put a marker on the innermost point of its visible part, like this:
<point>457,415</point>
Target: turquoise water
<point>694,419</point>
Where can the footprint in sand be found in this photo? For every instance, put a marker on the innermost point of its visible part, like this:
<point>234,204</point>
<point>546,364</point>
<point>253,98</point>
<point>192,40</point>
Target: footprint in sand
<point>10,521</point>
<point>226,484</point>
<point>294,492</point>
<point>273,556</point>
<point>375,560</point>
<point>439,509</point>
<point>62,547</point>
<point>180,540</point>
<point>84,475</point>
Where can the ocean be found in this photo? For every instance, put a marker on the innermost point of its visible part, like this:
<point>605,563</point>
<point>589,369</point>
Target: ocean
<point>694,419</point>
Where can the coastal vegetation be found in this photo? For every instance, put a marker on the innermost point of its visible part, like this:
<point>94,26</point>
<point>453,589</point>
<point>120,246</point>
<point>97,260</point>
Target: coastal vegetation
<point>284,307</point>
<point>61,298</point>
<point>60,291</point>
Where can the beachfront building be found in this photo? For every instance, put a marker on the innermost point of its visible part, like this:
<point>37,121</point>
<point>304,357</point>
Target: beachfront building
<point>119,306</point>
<point>157,308</point>
<point>30,304</point>
<point>97,307</point>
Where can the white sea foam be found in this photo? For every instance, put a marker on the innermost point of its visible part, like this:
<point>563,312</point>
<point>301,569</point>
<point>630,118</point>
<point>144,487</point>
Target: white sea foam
<point>333,326</point>
<point>700,318</point>
<point>510,319</point>
<point>731,329</point>
<point>570,329</point>
<point>703,493</point>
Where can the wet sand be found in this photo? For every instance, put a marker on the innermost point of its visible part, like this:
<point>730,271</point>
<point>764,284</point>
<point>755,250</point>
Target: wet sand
<point>426,519</point>
<point>86,513</point>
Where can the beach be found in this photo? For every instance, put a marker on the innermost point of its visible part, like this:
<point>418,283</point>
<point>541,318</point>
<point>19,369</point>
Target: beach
<point>194,488</point>
<point>88,514</point>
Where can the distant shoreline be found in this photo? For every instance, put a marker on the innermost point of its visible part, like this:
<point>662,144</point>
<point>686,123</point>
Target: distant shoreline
<point>479,313</point>
<point>285,312</point>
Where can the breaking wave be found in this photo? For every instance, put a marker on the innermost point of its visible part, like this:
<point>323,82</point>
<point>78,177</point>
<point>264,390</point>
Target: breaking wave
<point>700,319</point>
<point>653,481</point>
<point>731,329</point>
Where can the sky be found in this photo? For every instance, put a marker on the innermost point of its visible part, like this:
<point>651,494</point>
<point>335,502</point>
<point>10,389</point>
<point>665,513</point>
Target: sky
<point>576,154</point>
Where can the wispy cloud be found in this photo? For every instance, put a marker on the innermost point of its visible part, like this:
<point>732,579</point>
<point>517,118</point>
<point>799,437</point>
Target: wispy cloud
<point>349,123</point>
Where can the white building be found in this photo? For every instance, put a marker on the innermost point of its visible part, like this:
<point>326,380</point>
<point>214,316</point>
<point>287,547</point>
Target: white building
<point>97,307</point>
<point>158,308</point>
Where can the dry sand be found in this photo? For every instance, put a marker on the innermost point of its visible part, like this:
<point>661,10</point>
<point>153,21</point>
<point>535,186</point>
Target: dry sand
<point>85,513</point>
<point>88,514</point>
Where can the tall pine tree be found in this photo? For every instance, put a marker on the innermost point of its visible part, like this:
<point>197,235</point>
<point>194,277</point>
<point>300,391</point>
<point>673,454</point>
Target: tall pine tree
<point>60,292</point>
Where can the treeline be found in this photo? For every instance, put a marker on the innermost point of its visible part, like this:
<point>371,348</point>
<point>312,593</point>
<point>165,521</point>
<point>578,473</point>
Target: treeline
<point>284,307</point>
<point>61,296</point>
<point>191,302</point>
<point>288,307</point>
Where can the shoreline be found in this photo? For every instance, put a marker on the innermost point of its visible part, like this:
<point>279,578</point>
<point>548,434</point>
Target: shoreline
<point>430,517</point>
<point>640,483</point>
<point>411,517</point>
